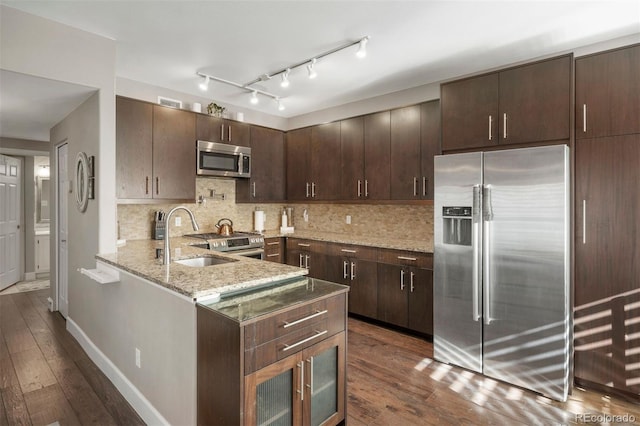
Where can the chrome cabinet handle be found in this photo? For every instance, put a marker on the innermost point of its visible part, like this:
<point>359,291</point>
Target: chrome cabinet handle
<point>301,261</point>
<point>490,126</point>
<point>307,318</point>
<point>301,389</point>
<point>584,221</point>
<point>353,271</point>
<point>304,245</point>
<point>424,186</point>
<point>411,281</point>
<point>504,125</point>
<point>313,190</point>
<point>146,185</point>
<point>273,255</point>
<point>413,259</point>
<point>222,132</point>
<point>345,265</point>
<point>306,261</point>
<point>307,190</point>
<point>274,243</point>
<point>254,189</point>
<point>366,188</point>
<point>359,188</point>
<point>229,133</point>
<point>348,251</point>
<point>402,279</point>
<point>310,385</point>
<point>584,118</point>
<point>415,186</point>
<point>303,341</point>
<point>157,185</point>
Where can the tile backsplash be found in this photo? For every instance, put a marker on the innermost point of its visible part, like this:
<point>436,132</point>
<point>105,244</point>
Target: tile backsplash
<point>135,221</point>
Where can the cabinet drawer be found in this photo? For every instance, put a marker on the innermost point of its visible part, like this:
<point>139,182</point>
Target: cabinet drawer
<point>293,320</point>
<point>306,245</point>
<point>268,341</point>
<point>409,258</point>
<point>350,250</point>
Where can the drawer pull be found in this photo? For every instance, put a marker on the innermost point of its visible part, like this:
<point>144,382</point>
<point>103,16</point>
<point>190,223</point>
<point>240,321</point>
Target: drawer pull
<point>274,243</point>
<point>298,321</point>
<point>273,255</point>
<point>348,251</point>
<point>303,341</point>
<point>413,259</point>
<point>304,245</point>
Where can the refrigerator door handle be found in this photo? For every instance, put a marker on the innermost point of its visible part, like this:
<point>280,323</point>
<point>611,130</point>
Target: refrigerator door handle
<point>487,216</point>
<point>477,252</point>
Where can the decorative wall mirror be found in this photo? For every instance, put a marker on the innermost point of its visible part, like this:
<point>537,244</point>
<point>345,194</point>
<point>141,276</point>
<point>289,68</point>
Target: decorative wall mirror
<point>42,200</point>
<point>84,180</point>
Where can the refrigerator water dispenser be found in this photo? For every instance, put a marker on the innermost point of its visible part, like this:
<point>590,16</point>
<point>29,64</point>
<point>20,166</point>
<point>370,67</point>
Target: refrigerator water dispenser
<point>457,225</point>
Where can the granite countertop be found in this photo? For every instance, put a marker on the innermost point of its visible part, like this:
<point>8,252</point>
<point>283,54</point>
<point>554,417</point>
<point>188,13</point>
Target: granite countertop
<point>423,246</point>
<point>138,258</point>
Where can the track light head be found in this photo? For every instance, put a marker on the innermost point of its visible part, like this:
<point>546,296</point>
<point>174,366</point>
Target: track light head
<point>362,48</point>
<point>204,86</point>
<point>254,98</point>
<point>285,78</point>
<point>311,69</point>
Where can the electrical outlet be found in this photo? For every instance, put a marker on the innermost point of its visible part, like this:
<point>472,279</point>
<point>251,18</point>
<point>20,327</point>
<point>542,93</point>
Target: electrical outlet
<point>178,221</point>
<point>348,220</point>
<point>137,357</point>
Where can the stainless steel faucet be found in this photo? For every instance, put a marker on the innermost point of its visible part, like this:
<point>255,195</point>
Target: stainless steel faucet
<point>166,256</point>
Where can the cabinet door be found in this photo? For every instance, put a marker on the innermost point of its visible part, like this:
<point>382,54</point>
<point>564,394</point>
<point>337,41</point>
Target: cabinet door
<point>405,153</point>
<point>363,295</point>
<point>377,154</point>
<point>421,300</point>
<point>352,150</point>
<point>134,148</point>
<point>325,162</point>
<point>470,113</point>
<point>393,287</point>
<point>429,145</point>
<point>209,128</point>
<point>236,133</point>
<point>267,181</point>
<point>324,402</point>
<point>174,153</point>
<point>298,163</point>
<point>608,93</point>
<point>274,394</point>
<point>316,263</point>
<point>607,260</point>
<point>535,102</point>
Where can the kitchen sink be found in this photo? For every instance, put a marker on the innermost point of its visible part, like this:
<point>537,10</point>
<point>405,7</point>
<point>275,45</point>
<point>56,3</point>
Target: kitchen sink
<point>199,262</point>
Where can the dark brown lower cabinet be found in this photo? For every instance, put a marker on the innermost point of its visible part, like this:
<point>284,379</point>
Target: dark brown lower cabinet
<point>607,273</point>
<point>265,362</point>
<point>307,254</point>
<point>405,297</point>
<point>306,388</point>
<point>344,266</point>
<point>274,249</point>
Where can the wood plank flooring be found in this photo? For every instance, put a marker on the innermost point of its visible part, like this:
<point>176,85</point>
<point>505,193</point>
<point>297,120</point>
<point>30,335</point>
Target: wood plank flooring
<point>45,377</point>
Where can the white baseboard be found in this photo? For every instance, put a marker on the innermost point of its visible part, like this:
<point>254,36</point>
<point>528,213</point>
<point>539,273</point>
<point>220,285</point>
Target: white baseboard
<point>143,407</point>
<point>29,276</point>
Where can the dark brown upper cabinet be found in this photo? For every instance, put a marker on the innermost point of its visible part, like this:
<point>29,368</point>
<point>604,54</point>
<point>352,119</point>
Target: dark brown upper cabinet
<point>216,129</point>
<point>525,104</point>
<point>325,162</point>
<point>429,144</point>
<point>608,93</point>
<point>405,153</point>
<point>298,159</point>
<point>155,152</point>
<point>267,182</point>
<point>352,157</point>
<point>377,155</point>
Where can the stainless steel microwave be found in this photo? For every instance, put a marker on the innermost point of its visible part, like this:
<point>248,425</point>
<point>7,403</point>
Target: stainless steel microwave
<point>219,159</point>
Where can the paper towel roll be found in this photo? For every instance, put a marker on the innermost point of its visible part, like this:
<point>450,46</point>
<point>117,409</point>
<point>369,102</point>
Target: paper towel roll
<point>258,220</point>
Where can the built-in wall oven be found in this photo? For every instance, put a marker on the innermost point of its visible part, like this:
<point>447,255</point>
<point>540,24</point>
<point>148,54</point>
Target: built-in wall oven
<point>240,243</point>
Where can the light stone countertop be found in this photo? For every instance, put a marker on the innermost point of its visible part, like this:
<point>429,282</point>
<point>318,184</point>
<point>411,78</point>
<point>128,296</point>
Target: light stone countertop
<point>138,258</point>
<point>424,246</point>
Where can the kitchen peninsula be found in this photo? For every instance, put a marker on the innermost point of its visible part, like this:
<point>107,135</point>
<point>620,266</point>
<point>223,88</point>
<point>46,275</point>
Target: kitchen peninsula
<point>159,346</point>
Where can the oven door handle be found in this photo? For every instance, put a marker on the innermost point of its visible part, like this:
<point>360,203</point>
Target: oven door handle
<point>247,252</point>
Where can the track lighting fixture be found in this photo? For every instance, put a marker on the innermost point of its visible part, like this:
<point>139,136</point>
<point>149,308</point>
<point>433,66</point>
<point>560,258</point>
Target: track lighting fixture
<point>204,86</point>
<point>285,78</point>
<point>310,68</point>
<point>254,98</point>
<point>362,49</point>
<point>285,73</point>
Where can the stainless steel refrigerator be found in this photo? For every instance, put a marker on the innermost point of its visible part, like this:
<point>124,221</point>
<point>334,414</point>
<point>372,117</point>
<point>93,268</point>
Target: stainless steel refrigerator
<point>501,274</point>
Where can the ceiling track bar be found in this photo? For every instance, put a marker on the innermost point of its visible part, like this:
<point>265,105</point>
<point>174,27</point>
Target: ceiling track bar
<point>238,85</point>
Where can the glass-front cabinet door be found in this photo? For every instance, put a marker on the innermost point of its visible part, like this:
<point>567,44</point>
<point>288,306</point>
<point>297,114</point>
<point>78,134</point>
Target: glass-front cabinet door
<point>324,399</point>
<point>273,394</point>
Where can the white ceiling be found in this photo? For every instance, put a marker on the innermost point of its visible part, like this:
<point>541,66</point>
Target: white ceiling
<point>164,43</point>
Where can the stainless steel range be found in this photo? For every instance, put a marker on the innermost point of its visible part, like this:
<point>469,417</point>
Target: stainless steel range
<point>241,243</point>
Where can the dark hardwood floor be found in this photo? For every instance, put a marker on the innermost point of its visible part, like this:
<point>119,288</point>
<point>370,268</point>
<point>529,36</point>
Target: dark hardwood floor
<point>46,377</point>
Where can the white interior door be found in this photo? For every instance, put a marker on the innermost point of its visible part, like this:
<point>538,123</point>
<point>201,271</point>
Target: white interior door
<point>10,243</point>
<point>62,228</point>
